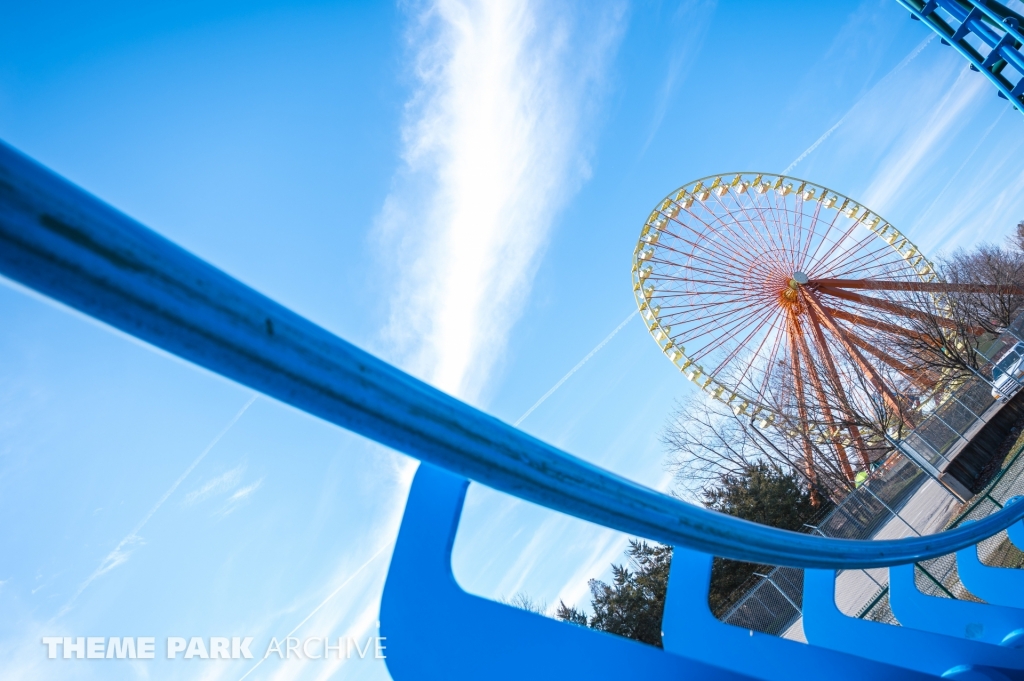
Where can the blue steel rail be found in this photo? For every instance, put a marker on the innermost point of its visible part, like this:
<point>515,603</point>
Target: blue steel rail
<point>65,243</point>
<point>995,28</point>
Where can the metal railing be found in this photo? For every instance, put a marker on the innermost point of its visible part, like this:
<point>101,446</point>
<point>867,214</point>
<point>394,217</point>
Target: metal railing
<point>65,243</point>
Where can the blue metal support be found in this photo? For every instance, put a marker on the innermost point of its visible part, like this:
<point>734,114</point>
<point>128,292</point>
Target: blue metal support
<point>1016,531</point>
<point>68,245</point>
<point>987,34</point>
<point>1002,586</point>
<point>692,630</point>
<point>929,653</point>
<point>423,605</point>
<point>447,634</point>
<point>965,619</point>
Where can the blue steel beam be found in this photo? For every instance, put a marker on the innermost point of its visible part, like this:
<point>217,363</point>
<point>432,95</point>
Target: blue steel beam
<point>987,34</point>
<point>65,243</point>
<point>423,605</point>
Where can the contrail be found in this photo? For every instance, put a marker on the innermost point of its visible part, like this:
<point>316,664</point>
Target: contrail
<point>575,368</point>
<point>117,556</point>
<point>326,600</point>
<point>899,67</point>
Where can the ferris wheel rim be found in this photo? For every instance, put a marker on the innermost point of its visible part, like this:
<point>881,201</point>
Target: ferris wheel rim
<point>700,190</point>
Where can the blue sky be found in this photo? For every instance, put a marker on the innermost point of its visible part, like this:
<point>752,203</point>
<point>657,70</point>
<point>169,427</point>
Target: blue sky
<point>454,186</point>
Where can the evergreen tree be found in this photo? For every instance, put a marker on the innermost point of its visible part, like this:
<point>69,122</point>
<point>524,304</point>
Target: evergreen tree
<point>633,603</point>
<point>764,494</point>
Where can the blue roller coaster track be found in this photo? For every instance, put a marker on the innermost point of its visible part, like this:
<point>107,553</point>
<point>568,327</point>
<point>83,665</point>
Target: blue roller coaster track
<point>986,32</point>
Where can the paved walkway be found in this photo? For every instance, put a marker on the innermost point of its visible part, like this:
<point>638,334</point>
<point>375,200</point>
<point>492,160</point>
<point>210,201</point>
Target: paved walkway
<point>927,512</point>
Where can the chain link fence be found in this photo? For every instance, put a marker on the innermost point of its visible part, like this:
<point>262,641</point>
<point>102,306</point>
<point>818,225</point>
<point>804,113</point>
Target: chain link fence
<point>938,576</point>
<point>899,489</point>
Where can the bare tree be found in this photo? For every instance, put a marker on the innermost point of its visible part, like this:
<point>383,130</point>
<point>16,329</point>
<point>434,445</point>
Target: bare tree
<point>707,442</point>
<point>941,336</point>
<point>1016,240</point>
<point>992,265</point>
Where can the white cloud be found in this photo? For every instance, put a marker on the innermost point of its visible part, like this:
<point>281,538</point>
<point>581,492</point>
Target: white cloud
<point>687,27</point>
<point>494,146</point>
<point>930,135</point>
<point>243,493</point>
<point>931,148</point>
<point>238,497</point>
<point>120,554</point>
<point>215,485</point>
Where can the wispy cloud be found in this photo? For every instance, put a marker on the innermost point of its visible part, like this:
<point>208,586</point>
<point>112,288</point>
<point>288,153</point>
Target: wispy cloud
<point>576,368</point>
<point>221,483</point>
<point>930,135</point>
<point>227,486</point>
<point>330,620</point>
<point>931,148</point>
<point>884,82</point>
<point>493,146</point>
<point>239,497</point>
<point>686,29</point>
<point>120,554</point>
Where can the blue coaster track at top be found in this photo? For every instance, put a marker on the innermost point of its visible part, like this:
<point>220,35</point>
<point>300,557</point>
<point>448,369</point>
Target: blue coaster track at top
<point>987,33</point>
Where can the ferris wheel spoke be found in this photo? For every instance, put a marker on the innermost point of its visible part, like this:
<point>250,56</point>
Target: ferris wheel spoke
<point>830,256</point>
<point>701,305</point>
<point>859,253</point>
<point>772,359</point>
<point>714,319</point>
<point>776,321</point>
<point>718,279</point>
<point>713,324</point>
<point>860,250</point>
<point>769,226</point>
<point>807,234</point>
<point>811,232</point>
<point>700,241</point>
<point>789,220</point>
<point>824,239</point>
<point>729,326</point>
<point>757,233</point>
<point>684,322</point>
<point>718,288</point>
<point>713,257</point>
<point>780,223</point>
<point>733,326</point>
<point>743,344</point>
<point>882,262</point>
<point>718,276</point>
<point>677,304</point>
<point>719,301</point>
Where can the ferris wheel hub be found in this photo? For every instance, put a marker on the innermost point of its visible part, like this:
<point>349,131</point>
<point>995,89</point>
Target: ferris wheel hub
<point>800,278</point>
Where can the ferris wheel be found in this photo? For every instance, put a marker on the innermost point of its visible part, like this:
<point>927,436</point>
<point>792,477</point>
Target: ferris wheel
<point>751,284</point>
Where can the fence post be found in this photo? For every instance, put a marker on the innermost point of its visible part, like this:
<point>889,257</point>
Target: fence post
<point>892,511</point>
<point>927,467</point>
<point>777,588</point>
